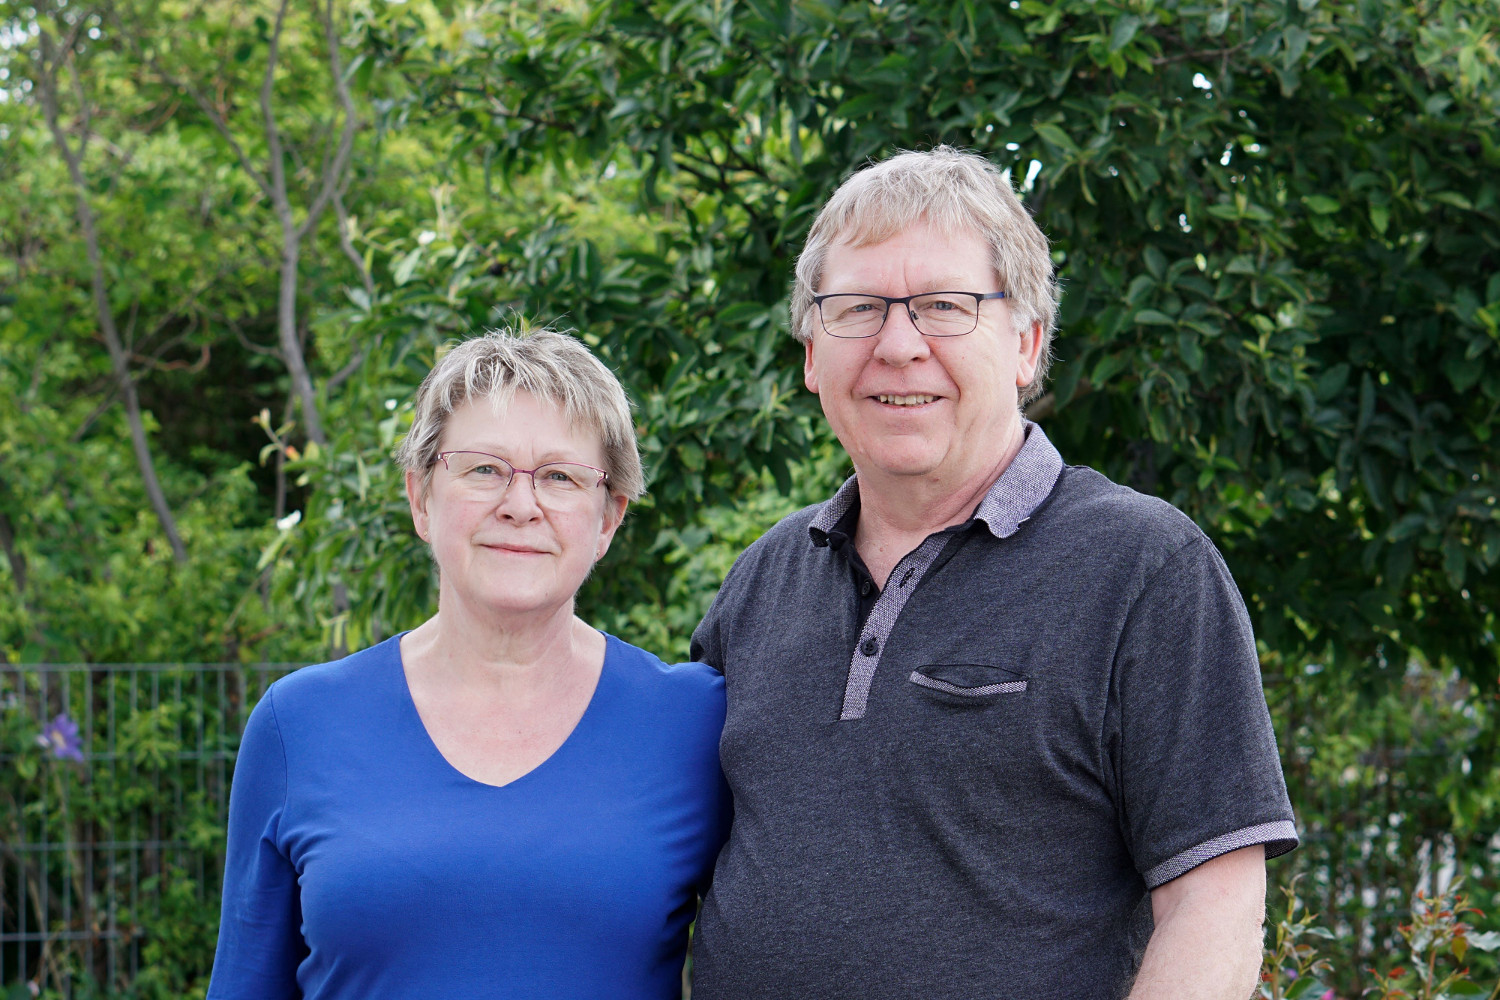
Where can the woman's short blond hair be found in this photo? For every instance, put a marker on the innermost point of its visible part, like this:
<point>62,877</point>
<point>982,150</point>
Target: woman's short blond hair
<point>950,189</point>
<point>549,365</point>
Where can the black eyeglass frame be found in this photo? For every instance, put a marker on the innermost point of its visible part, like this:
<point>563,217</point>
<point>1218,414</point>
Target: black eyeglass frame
<point>904,300</point>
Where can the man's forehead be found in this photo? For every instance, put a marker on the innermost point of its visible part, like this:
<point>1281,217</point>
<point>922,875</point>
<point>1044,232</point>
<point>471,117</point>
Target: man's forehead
<point>939,257</point>
<point>872,231</point>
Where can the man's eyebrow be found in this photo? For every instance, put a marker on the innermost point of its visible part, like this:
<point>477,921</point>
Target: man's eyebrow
<point>941,284</point>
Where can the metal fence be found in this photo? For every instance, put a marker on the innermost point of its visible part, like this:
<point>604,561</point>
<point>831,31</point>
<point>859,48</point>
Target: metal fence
<point>111,837</point>
<point>112,831</point>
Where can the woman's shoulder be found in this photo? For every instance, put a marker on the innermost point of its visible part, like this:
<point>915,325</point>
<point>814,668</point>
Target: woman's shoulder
<point>691,682</point>
<point>345,683</point>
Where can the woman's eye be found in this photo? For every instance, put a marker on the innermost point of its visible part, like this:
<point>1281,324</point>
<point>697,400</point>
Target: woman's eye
<point>484,470</point>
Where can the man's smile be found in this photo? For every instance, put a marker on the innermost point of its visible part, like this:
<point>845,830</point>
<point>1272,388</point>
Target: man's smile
<point>917,399</point>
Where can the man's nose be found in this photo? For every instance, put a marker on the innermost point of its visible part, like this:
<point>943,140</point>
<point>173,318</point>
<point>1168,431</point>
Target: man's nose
<point>900,342</point>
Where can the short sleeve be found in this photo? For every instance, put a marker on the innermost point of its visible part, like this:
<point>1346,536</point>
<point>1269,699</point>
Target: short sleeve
<point>1193,750</point>
<point>260,939</point>
<point>708,643</point>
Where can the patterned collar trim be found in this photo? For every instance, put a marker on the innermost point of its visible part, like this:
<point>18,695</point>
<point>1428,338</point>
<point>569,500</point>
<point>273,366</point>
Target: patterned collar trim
<point>1026,482</point>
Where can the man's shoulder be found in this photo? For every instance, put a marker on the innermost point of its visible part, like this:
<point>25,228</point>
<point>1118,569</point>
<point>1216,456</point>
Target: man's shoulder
<point>784,558</point>
<point>1106,517</point>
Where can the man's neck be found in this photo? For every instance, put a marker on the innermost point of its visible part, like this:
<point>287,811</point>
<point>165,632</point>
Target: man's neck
<point>897,513</point>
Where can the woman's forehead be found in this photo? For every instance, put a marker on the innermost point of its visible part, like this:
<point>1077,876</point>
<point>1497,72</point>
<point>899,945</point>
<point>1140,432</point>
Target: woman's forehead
<point>519,420</point>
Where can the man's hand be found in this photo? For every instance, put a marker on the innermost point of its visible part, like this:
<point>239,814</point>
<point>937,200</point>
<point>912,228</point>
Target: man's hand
<point>1207,942</point>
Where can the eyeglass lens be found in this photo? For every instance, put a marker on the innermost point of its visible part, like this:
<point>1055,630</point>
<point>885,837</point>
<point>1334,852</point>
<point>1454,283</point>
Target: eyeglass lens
<point>940,314</point>
<point>481,475</point>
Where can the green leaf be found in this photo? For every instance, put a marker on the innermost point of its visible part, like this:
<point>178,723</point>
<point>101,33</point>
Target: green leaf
<point>742,314</point>
<point>405,266</point>
<point>1305,986</point>
<point>1156,262</point>
<point>1295,38</point>
<point>1126,25</point>
<point>1057,137</point>
<point>1455,561</point>
<point>1218,21</point>
<point>862,106</point>
<point>1150,317</point>
<point>1106,368</point>
<point>1321,204</point>
<point>1190,350</point>
<point>1485,941</point>
<point>1461,372</point>
<point>1453,198</point>
<point>1332,382</point>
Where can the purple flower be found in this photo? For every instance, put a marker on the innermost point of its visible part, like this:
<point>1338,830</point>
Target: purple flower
<point>61,737</point>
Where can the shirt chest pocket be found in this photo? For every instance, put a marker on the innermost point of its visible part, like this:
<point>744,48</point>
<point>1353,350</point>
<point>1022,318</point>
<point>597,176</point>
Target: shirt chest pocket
<point>967,685</point>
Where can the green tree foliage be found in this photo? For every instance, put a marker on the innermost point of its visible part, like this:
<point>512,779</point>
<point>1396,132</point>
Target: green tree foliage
<point>1277,226</point>
<point>163,106</point>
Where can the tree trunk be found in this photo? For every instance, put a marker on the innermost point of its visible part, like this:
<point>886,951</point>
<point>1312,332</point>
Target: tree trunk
<point>286,329</point>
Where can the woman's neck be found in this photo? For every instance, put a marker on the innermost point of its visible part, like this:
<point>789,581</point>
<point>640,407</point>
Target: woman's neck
<point>475,649</point>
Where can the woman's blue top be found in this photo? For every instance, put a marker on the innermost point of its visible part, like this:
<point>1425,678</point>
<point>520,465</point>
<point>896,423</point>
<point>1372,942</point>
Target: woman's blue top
<point>361,864</point>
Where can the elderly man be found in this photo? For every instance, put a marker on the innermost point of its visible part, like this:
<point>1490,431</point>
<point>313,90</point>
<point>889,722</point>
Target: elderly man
<point>995,726</point>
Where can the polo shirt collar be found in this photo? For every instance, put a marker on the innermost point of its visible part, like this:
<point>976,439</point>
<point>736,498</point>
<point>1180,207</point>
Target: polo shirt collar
<point>1012,498</point>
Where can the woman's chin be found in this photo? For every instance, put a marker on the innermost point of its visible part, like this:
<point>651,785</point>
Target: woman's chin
<point>538,602</point>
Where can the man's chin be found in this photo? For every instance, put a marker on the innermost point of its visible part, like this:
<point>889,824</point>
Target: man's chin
<point>909,465</point>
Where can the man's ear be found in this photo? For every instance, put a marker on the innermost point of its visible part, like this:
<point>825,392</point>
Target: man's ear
<point>1031,355</point>
<point>417,497</point>
<point>809,374</point>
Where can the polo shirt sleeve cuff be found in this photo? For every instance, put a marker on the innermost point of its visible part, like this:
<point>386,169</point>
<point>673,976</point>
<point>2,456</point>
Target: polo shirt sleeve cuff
<point>1279,838</point>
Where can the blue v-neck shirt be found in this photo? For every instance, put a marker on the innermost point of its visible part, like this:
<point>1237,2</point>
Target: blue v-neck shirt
<point>361,864</point>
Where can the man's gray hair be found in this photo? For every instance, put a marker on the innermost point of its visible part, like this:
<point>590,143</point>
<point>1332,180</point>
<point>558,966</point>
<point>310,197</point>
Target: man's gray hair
<point>545,363</point>
<point>951,190</point>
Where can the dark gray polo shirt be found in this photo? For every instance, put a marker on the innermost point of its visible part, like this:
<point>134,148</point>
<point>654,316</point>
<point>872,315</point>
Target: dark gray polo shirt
<point>964,785</point>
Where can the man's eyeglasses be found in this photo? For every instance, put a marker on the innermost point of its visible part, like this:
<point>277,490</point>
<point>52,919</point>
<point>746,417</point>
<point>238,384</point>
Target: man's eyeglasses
<point>482,476</point>
<point>934,314</point>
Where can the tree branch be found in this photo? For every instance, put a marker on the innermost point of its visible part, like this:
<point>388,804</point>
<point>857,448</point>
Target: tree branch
<point>332,174</point>
<point>275,158</point>
<point>215,118</point>
<point>499,110</point>
<point>347,245</point>
<point>252,346</point>
<point>104,404</point>
<point>15,557</point>
<point>47,86</point>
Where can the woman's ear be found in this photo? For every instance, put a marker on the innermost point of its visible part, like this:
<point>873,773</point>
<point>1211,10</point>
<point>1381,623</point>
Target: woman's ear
<point>614,516</point>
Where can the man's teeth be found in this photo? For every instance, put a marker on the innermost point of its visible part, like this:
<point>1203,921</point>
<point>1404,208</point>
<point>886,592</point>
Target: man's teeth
<point>906,400</point>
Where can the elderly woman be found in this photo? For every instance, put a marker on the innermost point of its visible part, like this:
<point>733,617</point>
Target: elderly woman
<point>502,802</point>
